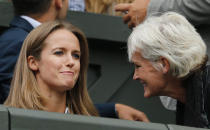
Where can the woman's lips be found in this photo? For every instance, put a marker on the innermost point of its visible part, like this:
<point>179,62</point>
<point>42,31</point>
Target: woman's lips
<point>68,72</point>
<point>143,83</point>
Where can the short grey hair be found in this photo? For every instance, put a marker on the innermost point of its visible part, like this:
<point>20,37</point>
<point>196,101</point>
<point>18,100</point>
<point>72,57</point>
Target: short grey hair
<point>170,36</point>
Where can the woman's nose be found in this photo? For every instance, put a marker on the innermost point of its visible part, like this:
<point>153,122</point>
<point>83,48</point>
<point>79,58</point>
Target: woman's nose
<point>70,61</point>
<point>135,76</point>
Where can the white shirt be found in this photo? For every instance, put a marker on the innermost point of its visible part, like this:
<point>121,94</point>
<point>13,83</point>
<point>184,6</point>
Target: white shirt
<point>66,110</point>
<point>32,21</point>
<point>168,102</point>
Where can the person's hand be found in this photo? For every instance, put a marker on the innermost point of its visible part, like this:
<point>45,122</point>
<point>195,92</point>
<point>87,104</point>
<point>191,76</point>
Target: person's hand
<point>135,12</point>
<point>129,113</point>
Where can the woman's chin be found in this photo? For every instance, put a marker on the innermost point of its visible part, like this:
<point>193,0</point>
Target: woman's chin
<point>69,86</point>
<point>146,94</point>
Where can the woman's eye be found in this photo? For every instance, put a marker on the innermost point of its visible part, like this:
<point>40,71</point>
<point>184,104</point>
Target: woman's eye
<point>58,53</point>
<point>77,56</point>
<point>137,66</point>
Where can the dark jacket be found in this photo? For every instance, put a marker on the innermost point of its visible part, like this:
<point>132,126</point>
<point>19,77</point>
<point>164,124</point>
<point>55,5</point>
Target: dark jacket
<point>196,111</point>
<point>10,43</point>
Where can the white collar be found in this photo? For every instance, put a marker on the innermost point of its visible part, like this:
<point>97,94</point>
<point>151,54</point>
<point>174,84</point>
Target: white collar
<point>66,110</point>
<point>32,21</point>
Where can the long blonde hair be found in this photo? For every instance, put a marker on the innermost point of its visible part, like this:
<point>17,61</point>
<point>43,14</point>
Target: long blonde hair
<point>24,92</point>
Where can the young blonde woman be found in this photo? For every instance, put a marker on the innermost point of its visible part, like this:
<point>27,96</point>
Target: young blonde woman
<point>50,73</point>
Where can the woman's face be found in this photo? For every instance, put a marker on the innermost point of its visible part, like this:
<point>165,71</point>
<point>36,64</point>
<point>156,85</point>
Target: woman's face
<point>59,65</point>
<point>152,80</point>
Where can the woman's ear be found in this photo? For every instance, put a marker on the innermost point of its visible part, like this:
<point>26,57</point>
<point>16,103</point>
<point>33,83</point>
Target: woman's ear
<point>165,65</point>
<point>32,63</point>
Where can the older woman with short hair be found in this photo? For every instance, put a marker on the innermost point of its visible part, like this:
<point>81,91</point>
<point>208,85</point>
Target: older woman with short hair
<point>170,60</point>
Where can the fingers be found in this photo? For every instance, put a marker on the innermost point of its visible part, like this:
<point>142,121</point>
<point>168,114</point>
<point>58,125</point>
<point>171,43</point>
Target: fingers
<point>126,18</point>
<point>129,113</point>
<point>141,117</point>
<point>122,7</point>
<point>145,119</point>
<point>134,21</point>
<point>128,117</point>
<point>131,24</point>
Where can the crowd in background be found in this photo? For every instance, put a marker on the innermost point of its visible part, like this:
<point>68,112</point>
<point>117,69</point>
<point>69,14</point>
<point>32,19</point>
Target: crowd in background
<point>97,6</point>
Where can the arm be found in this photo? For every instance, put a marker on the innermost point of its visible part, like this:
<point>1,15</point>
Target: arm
<point>128,113</point>
<point>11,43</point>
<point>8,58</point>
<point>120,111</point>
<point>197,11</point>
<point>106,110</point>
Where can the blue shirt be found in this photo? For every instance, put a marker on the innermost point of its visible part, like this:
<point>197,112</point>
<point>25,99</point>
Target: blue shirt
<point>77,5</point>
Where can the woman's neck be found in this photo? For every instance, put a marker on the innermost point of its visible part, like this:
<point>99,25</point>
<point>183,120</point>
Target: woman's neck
<point>175,89</point>
<point>55,102</point>
<point>53,99</point>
